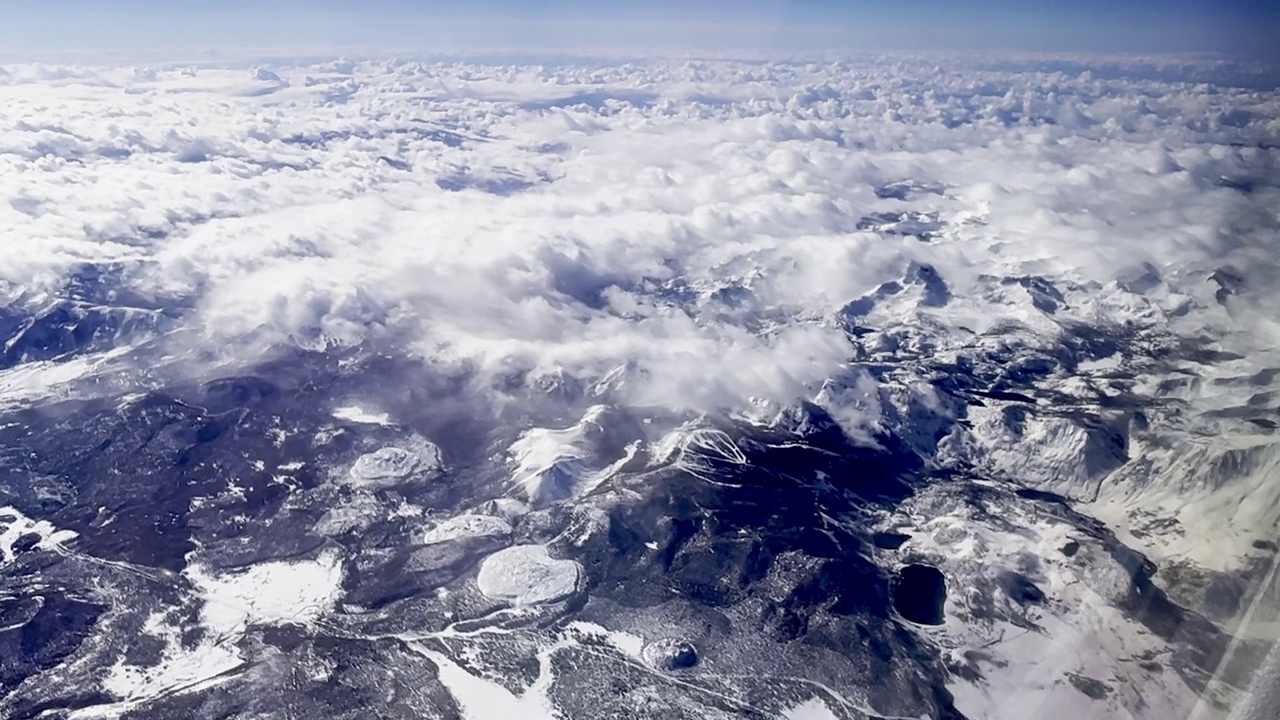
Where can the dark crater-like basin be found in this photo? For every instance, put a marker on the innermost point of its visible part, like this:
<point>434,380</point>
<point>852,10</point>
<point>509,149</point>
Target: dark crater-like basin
<point>920,594</point>
<point>671,654</point>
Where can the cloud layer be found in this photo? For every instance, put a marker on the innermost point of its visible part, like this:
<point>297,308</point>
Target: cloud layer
<point>687,233</point>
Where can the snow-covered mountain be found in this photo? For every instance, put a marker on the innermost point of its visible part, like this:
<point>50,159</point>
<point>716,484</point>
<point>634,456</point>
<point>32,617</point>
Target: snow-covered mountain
<point>898,386</point>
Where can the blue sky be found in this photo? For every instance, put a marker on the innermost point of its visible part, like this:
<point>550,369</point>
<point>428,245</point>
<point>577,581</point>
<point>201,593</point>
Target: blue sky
<point>39,28</point>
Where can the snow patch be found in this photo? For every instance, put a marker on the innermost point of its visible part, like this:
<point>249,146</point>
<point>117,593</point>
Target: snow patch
<point>1031,655</point>
<point>527,575</point>
<point>467,526</point>
<point>811,709</point>
<point>698,449</point>
<point>357,414</point>
<point>1202,500</point>
<point>553,465</point>
<point>271,593</point>
<point>28,382</point>
<point>179,668</point>
<point>483,699</point>
<point>626,643</point>
<point>1054,454</point>
<point>14,525</point>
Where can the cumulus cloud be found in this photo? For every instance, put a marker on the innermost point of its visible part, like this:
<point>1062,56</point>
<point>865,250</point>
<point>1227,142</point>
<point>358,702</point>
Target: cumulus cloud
<point>683,234</point>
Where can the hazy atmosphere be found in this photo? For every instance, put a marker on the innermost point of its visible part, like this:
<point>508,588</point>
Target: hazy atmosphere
<point>145,27</point>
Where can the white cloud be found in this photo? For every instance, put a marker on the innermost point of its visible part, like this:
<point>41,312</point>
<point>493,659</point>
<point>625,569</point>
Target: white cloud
<point>696,222</point>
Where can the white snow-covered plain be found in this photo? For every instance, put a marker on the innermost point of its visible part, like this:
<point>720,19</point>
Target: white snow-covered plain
<point>697,238</point>
<point>276,592</point>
